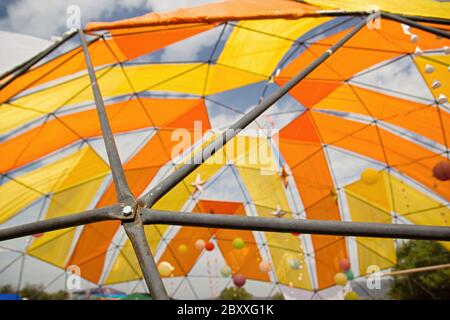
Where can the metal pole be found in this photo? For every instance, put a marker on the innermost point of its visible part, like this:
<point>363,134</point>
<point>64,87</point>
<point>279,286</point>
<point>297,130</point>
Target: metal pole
<point>438,32</point>
<point>73,220</point>
<point>151,197</point>
<point>328,227</point>
<point>415,270</point>
<point>136,234</point>
<point>120,183</point>
<point>26,65</point>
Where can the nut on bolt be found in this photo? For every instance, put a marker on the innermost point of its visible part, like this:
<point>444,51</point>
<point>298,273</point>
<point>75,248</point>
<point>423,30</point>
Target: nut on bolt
<point>127,210</point>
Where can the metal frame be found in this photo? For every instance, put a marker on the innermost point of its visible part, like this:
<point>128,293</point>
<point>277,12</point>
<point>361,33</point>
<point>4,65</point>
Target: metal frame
<point>135,213</point>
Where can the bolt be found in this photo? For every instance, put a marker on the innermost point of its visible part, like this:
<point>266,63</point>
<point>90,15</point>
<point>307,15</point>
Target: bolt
<point>127,210</point>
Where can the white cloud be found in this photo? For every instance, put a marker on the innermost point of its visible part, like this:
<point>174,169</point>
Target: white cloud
<point>45,18</point>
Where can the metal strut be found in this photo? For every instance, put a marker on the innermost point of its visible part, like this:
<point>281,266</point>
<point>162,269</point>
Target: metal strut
<point>134,229</point>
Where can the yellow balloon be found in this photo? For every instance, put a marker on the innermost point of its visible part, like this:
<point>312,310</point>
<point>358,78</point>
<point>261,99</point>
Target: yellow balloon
<point>165,268</point>
<point>370,176</point>
<point>182,248</point>
<point>340,279</point>
<point>352,295</point>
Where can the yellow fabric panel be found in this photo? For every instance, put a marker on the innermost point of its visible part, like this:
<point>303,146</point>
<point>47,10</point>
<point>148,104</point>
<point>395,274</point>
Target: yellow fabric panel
<point>266,189</point>
<point>441,73</point>
<point>259,45</point>
<point>76,168</point>
<point>424,8</point>
<point>13,116</point>
<point>55,251</point>
<point>376,194</point>
<point>371,251</point>
<point>419,208</point>
<point>53,247</point>
<point>182,78</point>
<point>283,247</point>
<point>390,194</point>
<point>126,266</point>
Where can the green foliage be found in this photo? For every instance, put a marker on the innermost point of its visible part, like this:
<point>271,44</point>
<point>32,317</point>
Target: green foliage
<point>277,296</point>
<point>35,292</point>
<point>421,285</point>
<point>234,293</point>
<point>8,289</point>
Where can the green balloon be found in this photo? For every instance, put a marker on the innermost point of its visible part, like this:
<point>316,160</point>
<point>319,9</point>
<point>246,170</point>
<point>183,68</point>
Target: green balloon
<point>238,243</point>
<point>294,264</point>
<point>350,275</point>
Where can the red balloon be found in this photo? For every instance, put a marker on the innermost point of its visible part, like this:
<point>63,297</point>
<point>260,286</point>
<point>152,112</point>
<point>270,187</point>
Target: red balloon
<point>239,280</point>
<point>209,246</point>
<point>295,234</point>
<point>344,264</point>
<point>441,170</point>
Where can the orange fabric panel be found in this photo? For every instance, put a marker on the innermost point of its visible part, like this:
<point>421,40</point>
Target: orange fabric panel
<point>243,260</point>
<point>123,116</point>
<point>117,49</point>
<point>416,117</point>
<point>405,156</point>
<point>231,10</point>
<point>183,263</point>
<point>140,171</point>
<point>310,171</point>
<point>389,38</point>
<point>91,248</point>
<point>367,48</point>
<point>133,45</point>
<point>31,145</point>
<point>309,92</point>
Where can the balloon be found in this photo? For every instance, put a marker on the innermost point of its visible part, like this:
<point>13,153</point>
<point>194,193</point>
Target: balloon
<point>200,244</point>
<point>264,266</point>
<point>294,264</point>
<point>295,234</point>
<point>182,248</point>
<point>209,246</point>
<point>349,274</point>
<point>340,279</point>
<point>38,235</point>
<point>344,264</point>
<point>370,176</point>
<point>351,295</point>
<point>165,268</point>
<point>238,243</point>
<point>225,271</point>
<point>441,170</point>
<point>239,280</point>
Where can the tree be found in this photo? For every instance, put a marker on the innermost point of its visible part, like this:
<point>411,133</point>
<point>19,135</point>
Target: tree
<point>422,285</point>
<point>234,293</point>
<point>277,296</point>
<point>8,289</point>
<point>35,292</point>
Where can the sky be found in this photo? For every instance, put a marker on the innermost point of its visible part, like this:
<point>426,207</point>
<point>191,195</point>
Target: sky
<point>27,16</point>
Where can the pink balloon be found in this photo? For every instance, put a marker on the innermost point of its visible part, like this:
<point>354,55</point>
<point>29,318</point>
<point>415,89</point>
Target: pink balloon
<point>239,280</point>
<point>264,267</point>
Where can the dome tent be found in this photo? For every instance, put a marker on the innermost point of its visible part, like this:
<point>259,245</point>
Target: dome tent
<point>160,73</point>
